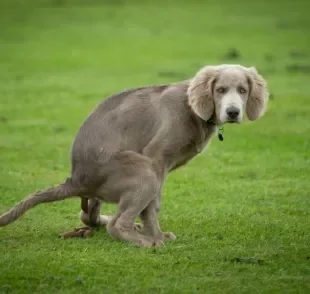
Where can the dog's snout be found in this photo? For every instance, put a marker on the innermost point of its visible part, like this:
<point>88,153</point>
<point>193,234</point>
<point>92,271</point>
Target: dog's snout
<point>232,112</point>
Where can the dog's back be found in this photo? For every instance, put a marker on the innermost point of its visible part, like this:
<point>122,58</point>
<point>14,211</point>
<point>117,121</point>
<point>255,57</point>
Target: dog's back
<point>125,121</point>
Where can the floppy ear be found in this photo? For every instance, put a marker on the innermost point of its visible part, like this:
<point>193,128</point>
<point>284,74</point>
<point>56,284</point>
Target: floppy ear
<point>259,95</point>
<point>200,92</point>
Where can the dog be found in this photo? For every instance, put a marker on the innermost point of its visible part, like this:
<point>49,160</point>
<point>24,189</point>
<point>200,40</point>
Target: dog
<point>125,148</point>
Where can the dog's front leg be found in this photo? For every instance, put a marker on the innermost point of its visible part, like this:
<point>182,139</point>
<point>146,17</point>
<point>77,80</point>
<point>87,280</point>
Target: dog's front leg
<point>150,225</point>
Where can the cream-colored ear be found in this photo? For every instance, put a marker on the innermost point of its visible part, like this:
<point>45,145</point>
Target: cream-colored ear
<point>259,95</point>
<point>200,95</point>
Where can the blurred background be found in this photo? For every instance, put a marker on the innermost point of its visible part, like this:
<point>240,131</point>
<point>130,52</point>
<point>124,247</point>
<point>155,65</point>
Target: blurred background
<point>59,58</point>
<point>88,49</point>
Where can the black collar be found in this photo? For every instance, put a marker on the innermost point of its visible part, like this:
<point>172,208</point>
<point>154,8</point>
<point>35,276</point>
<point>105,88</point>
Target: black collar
<point>211,122</point>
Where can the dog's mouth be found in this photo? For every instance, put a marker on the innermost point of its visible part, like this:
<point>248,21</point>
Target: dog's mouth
<point>233,121</point>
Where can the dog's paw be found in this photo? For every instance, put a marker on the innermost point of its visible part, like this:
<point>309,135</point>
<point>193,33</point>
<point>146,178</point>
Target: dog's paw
<point>169,236</point>
<point>158,243</point>
<point>150,243</point>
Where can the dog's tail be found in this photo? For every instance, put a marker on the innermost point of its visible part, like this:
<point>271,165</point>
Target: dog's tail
<point>58,193</point>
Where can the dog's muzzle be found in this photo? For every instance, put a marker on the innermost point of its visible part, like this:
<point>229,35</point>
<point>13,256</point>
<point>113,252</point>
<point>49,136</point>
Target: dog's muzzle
<point>232,114</point>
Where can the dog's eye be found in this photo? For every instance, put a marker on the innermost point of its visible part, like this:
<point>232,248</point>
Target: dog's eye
<point>242,90</point>
<point>221,90</point>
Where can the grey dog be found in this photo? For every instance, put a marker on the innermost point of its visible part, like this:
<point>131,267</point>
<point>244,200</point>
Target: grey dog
<point>132,140</point>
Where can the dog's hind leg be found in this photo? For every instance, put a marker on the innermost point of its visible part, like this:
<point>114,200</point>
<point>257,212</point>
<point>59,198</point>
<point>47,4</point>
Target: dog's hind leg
<point>135,181</point>
<point>90,216</point>
<point>122,226</point>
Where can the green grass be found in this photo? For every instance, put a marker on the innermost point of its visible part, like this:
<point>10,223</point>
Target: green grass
<point>247,197</point>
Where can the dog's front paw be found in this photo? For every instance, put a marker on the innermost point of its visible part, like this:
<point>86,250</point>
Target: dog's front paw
<point>150,243</point>
<point>169,236</point>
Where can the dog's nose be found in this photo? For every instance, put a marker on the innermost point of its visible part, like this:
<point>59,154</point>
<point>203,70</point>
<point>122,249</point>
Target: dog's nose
<point>232,112</point>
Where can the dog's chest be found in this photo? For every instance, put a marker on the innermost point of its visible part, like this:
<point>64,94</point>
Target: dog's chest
<point>193,148</point>
<point>183,158</point>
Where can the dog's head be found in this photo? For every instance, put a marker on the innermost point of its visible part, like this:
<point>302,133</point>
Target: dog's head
<point>228,91</point>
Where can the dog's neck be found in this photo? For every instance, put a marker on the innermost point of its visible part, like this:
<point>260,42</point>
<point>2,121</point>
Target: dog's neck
<point>212,122</point>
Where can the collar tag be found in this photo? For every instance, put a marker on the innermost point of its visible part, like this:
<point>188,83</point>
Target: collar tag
<point>220,133</point>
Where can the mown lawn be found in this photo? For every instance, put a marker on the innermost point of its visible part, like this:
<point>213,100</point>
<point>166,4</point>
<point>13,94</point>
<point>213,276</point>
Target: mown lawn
<point>247,197</point>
